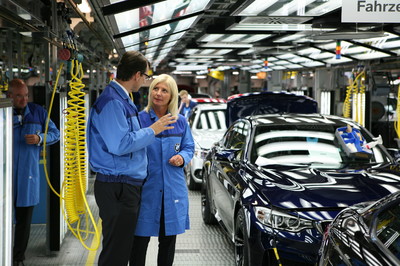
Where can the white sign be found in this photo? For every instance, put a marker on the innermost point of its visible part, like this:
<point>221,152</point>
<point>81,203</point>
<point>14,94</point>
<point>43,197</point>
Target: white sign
<point>367,11</point>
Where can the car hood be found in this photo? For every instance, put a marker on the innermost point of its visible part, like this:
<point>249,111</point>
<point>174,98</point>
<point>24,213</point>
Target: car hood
<point>310,188</point>
<point>206,138</point>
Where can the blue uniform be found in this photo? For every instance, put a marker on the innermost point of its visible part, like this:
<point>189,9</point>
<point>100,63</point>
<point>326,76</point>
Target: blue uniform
<point>26,156</point>
<point>165,181</point>
<point>117,143</point>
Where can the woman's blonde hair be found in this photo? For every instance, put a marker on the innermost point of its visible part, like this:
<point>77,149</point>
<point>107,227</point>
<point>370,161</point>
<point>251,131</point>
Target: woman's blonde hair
<point>173,87</point>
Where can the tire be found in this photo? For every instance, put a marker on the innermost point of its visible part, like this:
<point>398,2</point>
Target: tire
<point>208,216</point>
<point>191,184</point>
<point>241,240</point>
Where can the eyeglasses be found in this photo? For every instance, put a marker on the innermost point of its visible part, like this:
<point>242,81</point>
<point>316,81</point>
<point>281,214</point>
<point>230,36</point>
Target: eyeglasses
<point>147,77</point>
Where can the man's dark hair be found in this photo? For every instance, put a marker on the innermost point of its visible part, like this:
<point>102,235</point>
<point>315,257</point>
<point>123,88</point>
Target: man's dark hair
<point>130,63</point>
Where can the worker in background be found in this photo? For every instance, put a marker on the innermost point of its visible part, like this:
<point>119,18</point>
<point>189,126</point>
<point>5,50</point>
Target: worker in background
<point>186,105</point>
<point>164,209</point>
<point>117,153</point>
<point>29,122</point>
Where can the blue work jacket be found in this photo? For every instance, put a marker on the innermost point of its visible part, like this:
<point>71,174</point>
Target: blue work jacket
<point>116,141</point>
<point>26,175</point>
<point>165,181</point>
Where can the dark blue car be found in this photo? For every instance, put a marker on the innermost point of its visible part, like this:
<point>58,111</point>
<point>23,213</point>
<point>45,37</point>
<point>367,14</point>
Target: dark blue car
<point>274,182</point>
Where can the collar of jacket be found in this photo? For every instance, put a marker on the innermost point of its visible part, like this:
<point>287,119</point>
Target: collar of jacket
<point>121,92</point>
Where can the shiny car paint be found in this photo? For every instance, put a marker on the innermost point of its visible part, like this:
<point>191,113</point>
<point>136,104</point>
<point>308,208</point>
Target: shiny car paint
<point>366,233</point>
<point>314,194</point>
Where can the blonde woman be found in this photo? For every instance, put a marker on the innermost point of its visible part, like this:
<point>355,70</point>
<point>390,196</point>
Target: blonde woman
<point>164,209</point>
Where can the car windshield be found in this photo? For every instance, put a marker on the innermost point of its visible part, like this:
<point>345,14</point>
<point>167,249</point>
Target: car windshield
<point>388,229</point>
<point>315,145</point>
<point>211,120</point>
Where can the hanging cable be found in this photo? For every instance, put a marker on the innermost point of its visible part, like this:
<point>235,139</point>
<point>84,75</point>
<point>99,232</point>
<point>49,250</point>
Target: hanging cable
<point>355,93</point>
<point>73,189</point>
<point>74,185</point>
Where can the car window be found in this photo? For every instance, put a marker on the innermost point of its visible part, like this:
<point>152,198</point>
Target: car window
<point>303,144</point>
<point>211,119</point>
<point>236,137</point>
<point>388,229</point>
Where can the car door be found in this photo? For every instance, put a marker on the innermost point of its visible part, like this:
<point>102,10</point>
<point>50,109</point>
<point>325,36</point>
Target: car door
<point>227,163</point>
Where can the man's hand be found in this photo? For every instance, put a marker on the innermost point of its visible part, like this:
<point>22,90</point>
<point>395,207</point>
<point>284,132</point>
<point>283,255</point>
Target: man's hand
<point>32,139</point>
<point>176,160</point>
<point>162,123</point>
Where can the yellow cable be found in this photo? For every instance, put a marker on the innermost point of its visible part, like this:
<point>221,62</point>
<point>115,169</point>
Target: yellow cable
<point>75,159</point>
<point>355,89</point>
<point>74,186</point>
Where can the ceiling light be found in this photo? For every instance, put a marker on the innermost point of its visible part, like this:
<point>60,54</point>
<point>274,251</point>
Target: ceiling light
<point>191,67</point>
<point>226,45</point>
<point>346,35</point>
<point>205,56</point>
<point>256,7</point>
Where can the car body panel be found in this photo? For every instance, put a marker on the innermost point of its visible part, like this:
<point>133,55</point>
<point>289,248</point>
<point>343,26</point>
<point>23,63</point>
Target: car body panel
<point>305,189</point>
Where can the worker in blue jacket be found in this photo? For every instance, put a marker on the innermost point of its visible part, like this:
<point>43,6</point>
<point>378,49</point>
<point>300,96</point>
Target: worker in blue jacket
<point>117,153</point>
<point>164,209</point>
<point>29,122</point>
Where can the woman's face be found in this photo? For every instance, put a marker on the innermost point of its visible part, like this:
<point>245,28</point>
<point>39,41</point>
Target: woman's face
<point>161,95</point>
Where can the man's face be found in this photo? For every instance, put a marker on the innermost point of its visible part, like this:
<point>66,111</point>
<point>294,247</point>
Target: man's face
<point>20,97</point>
<point>139,81</point>
<point>184,98</point>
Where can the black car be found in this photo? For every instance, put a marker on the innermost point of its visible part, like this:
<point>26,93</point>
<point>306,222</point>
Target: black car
<point>364,234</point>
<point>274,182</point>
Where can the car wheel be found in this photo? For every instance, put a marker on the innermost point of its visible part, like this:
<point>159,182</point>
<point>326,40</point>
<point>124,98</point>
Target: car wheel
<point>208,217</point>
<point>241,240</point>
<point>191,184</point>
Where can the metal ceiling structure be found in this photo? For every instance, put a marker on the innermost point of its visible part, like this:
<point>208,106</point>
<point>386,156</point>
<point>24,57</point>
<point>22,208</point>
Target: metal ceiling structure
<point>196,35</point>
<point>199,35</point>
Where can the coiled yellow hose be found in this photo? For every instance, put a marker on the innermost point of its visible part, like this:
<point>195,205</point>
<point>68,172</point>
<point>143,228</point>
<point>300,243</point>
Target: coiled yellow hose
<point>74,184</point>
<point>356,92</point>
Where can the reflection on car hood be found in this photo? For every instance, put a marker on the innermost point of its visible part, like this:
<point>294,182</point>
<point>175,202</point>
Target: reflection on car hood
<point>311,188</point>
<point>206,138</point>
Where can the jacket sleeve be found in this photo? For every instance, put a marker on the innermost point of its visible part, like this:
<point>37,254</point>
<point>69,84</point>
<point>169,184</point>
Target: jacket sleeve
<point>187,144</point>
<point>53,134</point>
<point>116,132</point>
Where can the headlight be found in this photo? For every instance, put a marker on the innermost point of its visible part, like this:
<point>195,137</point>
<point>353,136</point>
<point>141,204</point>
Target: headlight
<point>201,153</point>
<point>280,220</point>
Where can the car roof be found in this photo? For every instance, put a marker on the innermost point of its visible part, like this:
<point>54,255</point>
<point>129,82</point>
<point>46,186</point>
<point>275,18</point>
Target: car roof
<point>211,106</point>
<point>267,102</point>
<point>292,119</point>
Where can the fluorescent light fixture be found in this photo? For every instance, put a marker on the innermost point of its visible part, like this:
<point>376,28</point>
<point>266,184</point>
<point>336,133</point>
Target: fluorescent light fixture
<point>131,40</point>
<point>191,67</point>
<point>191,51</point>
<point>207,51</point>
<point>182,72</point>
<point>235,73</point>
<point>286,56</point>
<point>201,77</point>
<point>312,64</point>
<point>278,68</point>
<point>257,7</point>
<point>371,55</point>
<point>205,56</point>
<point>290,37</point>
<point>308,51</point>
<point>234,37</point>
<point>271,27</point>
<point>253,77</point>
<point>335,61</point>
<point>324,8</point>
<point>326,102</point>
<point>226,45</point>
<point>126,20</point>
<point>291,7</point>
<point>293,66</point>
<point>256,37</point>
<point>223,51</point>
<point>210,37</point>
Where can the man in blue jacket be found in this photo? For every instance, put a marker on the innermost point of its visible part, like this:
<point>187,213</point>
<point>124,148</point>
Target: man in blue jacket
<point>117,153</point>
<point>29,122</point>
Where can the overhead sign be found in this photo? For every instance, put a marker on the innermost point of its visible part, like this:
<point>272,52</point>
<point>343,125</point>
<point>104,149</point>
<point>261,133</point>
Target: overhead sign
<point>367,11</point>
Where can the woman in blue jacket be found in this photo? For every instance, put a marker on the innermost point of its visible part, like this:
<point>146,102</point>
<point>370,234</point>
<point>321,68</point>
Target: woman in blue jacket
<point>164,208</point>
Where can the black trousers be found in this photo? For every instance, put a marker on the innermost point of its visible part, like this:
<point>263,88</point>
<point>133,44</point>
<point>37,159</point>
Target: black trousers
<point>118,208</point>
<point>23,220</point>
<point>166,247</point>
